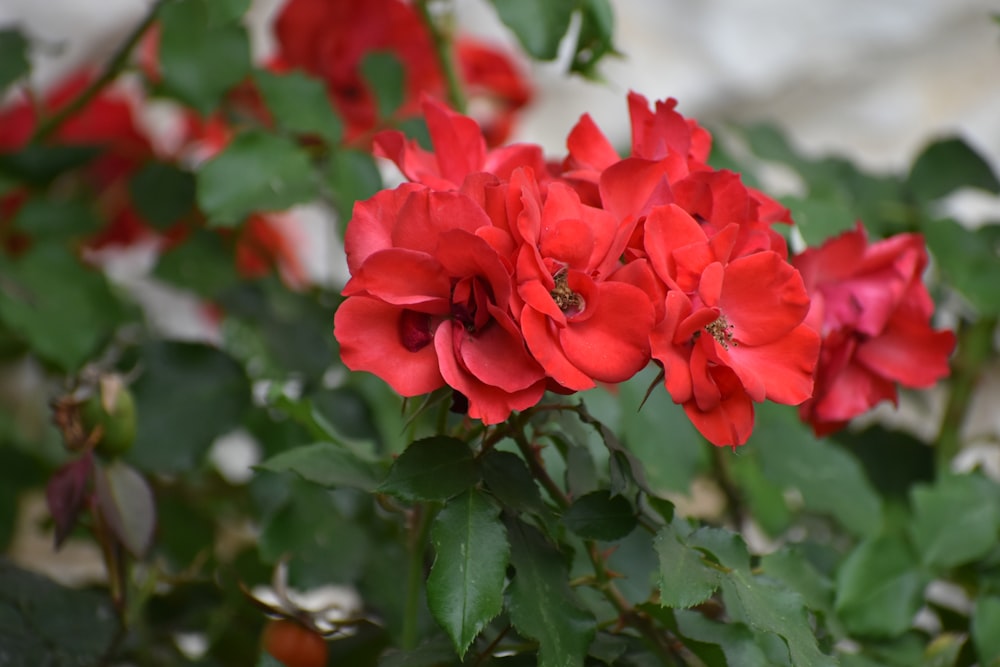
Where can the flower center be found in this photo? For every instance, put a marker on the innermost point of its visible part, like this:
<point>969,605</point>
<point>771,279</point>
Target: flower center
<point>415,330</point>
<point>722,331</point>
<point>568,301</point>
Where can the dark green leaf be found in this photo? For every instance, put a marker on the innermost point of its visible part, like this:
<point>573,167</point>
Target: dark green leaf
<point>201,60</point>
<point>126,503</point>
<point>829,479</point>
<point>300,104</point>
<point>352,176</point>
<point>507,477</point>
<point>986,629</point>
<point>947,165</point>
<point>968,260</point>
<point>764,605</point>
<point>596,37</point>
<point>327,465</point>
<point>64,310</point>
<point>955,521</point>
<point>465,586</point>
<point>542,605</point>
<point>434,468</point>
<point>387,79</point>
<point>221,12</point>
<point>325,545</point>
<point>685,578</point>
<point>788,565</point>
<point>42,623</point>
<point>187,395</point>
<point>13,57</point>
<point>56,220</point>
<point>257,172</point>
<point>38,165</point>
<point>601,516</point>
<point>162,193</point>
<point>738,643</point>
<point>202,264</point>
<point>879,588</point>
<point>539,26</point>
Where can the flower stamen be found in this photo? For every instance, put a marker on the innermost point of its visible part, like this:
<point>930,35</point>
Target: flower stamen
<point>722,331</point>
<point>568,301</point>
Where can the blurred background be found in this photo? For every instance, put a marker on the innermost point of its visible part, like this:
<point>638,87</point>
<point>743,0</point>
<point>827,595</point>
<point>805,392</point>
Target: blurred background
<point>872,80</point>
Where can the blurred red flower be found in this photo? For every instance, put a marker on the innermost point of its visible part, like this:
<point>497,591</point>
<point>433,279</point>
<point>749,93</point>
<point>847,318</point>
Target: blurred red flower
<point>870,304</point>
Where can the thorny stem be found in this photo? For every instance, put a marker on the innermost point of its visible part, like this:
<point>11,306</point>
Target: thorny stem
<point>115,67</point>
<point>419,521</point>
<point>975,345</point>
<point>441,31</point>
<point>538,471</point>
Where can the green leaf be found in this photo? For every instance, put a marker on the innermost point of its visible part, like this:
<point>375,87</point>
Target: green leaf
<point>601,516</point>
<point>385,75</point>
<point>542,606</point>
<point>328,465</point>
<point>257,172</point>
<point>351,176</point>
<point>986,629</point>
<point>56,220</point>
<point>822,217</point>
<point>955,521</point>
<point>300,104</point>
<point>738,643</point>
<point>201,59</point>
<point>13,57</point>
<point>764,499</point>
<point>187,395</point>
<point>943,651</point>
<point>64,310</point>
<point>685,579</point>
<point>202,264</point>
<point>435,468</point>
<point>42,623</point>
<point>539,26</point>
<point>325,545</point>
<point>879,588</point>
<point>947,165</point>
<point>790,566</point>
<point>508,478</point>
<point>162,193</point>
<point>762,603</point>
<point>466,582</point>
<point>596,37</point>
<point>126,503</point>
<point>830,480</point>
<point>221,12</point>
<point>968,260</point>
<point>39,165</point>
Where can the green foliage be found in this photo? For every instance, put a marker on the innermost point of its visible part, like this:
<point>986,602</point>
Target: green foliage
<point>162,193</point>
<point>258,171</point>
<point>385,75</point>
<point>436,468</point>
<point>300,104</point>
<point>13,57</point>
<point>538,26</point>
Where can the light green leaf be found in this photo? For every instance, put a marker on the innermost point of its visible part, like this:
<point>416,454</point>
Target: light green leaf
<point>879,588</point>
<point>539,26</point>
<point>685,578</point>
<point>387,79</point>
<point>328,465</point>
<point>955,521</point>
<point>201,59</point>
<point>257,172</point>
<point>300,104</point>
<point>986,630</point>
<point>435,468</point>
<point>126,503</point>
<point>465,586</point>
<point>63,310</point>
<point>542,606</point>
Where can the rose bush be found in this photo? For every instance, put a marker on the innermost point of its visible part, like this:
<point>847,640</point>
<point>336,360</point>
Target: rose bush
<point>588,408</point>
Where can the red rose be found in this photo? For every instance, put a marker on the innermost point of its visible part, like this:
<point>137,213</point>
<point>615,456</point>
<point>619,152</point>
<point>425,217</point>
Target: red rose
<point>870,304</point>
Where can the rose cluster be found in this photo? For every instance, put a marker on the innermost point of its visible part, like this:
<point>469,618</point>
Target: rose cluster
<point>502,276</point>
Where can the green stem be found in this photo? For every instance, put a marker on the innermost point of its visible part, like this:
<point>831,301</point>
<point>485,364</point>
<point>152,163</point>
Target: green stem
<point>115,67</point>
<point>975,347</point>
<point>419,525</point>
<point>441,31</point>
<point>538,471</point>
